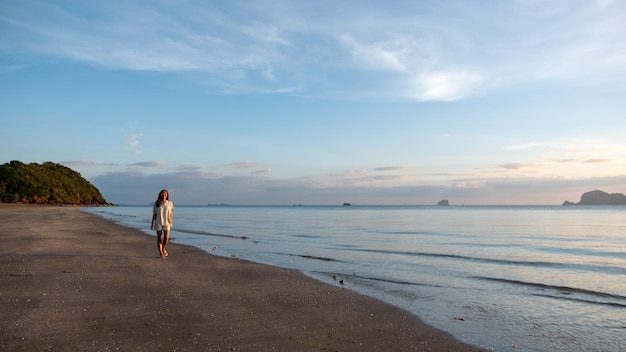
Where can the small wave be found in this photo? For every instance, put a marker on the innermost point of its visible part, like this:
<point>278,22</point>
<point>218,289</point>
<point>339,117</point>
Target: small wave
<point>464,257</point>
<point>307,256</point>
<point>129,216</point>
<point>427,233</point>
<point>561,289</point>
<point>114,214</point>
<point>348,247</point>
<point>195,232</point>
<point>399,282</point>
<point>568,266</point>
<point>612,304</point>
<point>318,258</point>
<point>306,236</point>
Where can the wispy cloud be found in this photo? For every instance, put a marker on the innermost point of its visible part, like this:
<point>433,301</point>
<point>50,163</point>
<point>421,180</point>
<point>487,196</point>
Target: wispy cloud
<point>244,165</point>
<point>131,141</point>
<point>470,184</point>
<point>263,171</point>
<point>407,51</point>
<point>390,168</point>
<point>256,169</point>
<point>348,173</point>
<point>597,161</point>
<point>522,146</point>
<point>150,164</point>
<point>75,163</point>
<point>571,158</point>
<point>513,166</point>
<point>384,56</point>
<point>445,85</point>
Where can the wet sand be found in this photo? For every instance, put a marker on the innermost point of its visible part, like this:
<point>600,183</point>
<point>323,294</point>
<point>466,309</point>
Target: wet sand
<point>72,281</point>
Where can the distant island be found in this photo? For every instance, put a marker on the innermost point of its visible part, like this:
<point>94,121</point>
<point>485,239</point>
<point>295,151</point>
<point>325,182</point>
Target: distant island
<point>599,198</point>
<point>443,203</point>
<point>48,183</point>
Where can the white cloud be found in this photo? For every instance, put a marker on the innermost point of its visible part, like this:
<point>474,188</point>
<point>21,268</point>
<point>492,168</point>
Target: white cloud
<point>447,51</point>
<point>445,86</point>
<point>374,56</point>
<point>131,141</point>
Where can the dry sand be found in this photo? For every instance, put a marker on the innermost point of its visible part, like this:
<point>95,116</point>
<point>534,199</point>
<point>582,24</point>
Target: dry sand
<point>72,281</point>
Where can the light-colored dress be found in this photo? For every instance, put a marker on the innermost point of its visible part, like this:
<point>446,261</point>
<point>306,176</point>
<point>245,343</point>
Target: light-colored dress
<point>164,213</point>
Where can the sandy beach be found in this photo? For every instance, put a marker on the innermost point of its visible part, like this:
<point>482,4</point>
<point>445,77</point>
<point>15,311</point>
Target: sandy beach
<point>73,281</point>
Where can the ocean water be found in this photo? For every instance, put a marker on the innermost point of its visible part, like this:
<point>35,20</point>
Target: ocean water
<point>528,278</point>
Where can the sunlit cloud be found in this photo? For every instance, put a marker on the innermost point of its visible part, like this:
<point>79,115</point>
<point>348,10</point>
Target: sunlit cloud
<point>445,85</point>
<point>589,151</point>
<point>469,184</point>
<point>133,186</point>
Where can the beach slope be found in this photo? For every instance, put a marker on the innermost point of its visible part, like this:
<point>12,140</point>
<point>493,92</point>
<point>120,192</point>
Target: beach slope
<point>73,281</point>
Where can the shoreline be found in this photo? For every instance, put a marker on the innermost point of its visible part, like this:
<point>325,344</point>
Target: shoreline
<point>77,281</point>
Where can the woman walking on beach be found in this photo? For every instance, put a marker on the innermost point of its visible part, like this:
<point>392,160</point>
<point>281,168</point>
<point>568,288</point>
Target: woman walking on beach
<point>162,219</point>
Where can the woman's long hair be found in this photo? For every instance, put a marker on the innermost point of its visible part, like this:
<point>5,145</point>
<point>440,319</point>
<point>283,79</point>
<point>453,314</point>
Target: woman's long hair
<point>158,201</point>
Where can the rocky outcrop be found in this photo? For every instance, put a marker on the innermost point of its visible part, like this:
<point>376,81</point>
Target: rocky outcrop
<point>599,198</point>
<point>443,203</point>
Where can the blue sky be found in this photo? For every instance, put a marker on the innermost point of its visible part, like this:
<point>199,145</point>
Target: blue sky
<point>320,102</point>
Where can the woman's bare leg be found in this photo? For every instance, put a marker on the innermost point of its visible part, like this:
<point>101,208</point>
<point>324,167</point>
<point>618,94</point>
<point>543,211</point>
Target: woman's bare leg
<point>166,240</point>
<point>160,242</point>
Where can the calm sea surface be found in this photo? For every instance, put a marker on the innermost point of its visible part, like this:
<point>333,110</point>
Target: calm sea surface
<point>532,278</point>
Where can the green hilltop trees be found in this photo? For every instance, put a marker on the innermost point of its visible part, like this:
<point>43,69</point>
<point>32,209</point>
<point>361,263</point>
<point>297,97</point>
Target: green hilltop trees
<point>48,183</point>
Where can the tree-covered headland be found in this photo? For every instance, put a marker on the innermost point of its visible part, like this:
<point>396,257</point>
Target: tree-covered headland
<point>48,183</point>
